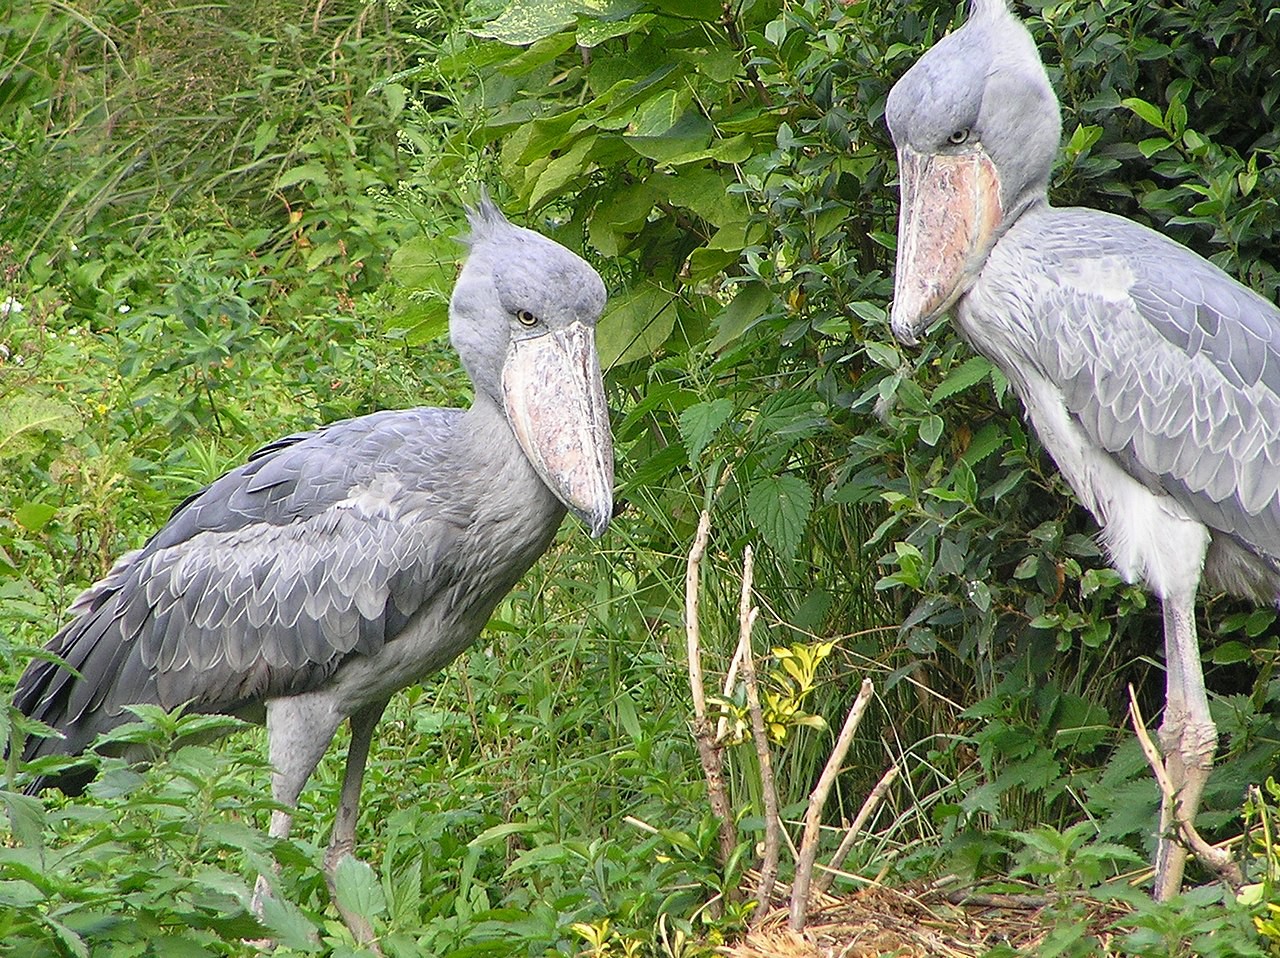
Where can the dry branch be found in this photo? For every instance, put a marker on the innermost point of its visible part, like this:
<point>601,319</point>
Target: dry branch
<point>824,879</point>
<point>818,798</point>
<point>704,734</point>
<point>747,614</point>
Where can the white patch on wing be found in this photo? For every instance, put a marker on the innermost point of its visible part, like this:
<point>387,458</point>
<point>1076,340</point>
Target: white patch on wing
<point>1106,277</point>
<point>377,498</point>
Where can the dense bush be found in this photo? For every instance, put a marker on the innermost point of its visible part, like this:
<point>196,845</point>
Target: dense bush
<point>223,225</point>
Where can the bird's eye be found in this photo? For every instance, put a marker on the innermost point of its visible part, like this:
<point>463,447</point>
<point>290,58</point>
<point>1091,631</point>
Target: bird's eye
<point>958,137</point>
<point>526,318</point>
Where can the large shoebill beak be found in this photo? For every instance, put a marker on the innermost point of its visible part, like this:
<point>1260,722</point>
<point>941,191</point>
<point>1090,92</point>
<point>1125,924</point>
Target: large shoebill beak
<point>554,399</point>
<point>950,208</point>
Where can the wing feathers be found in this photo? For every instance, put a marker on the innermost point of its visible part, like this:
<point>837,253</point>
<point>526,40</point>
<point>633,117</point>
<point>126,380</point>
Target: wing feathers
<point>1168,364</point>
<point>265,581</point>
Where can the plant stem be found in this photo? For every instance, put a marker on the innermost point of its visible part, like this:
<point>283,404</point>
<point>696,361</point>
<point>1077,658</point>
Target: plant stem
<point>818,798</point>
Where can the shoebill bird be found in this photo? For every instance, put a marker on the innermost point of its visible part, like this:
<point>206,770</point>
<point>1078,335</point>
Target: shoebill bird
<point>1151,377</point>
<point>337,566</point>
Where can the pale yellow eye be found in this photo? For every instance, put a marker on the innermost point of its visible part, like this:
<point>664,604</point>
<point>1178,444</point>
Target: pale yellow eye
<point>526,318</point>
<point>958,137</point>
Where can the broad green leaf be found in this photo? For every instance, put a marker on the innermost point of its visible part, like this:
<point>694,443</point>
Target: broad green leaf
<point>426,262</point>
<point>620,212</point>
<point>1231,653</point>
<point>635,325</point>
<point>700,423</point>
<point>527,21</point>
<point>422,321</point>
<point>740,315</point>
<point>687,136</point>
<point>500,833</point>
<point>779,508</point>
<point>706,192</point>
<point>592,32</point>
<point>1145,110</point>
<point>570,166</point>
<point>34,516</point>
<point>1153,145</point>
<point>931,430</point>
<point>26,817</point>
<point>708,10</point>
<point>306,173</point>
<point>24,416</point>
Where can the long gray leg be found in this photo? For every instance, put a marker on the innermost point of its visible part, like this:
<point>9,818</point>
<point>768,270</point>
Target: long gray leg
<point>299,730</point>
<point>343,840</point>
<point>1187,736</point>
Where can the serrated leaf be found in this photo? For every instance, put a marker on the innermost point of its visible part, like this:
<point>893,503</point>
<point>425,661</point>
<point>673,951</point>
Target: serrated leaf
<point>968,373</point>
<point>779,507</point>
<point>699,424</point>
<point>24,416</point>
<point>357,888</point>
<point>26,818</point>
<point>288,925</point>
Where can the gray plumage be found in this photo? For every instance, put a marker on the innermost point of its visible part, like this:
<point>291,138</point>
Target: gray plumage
<point>337,566</point>
<point>1163,361</point>
<point>1151,376</point>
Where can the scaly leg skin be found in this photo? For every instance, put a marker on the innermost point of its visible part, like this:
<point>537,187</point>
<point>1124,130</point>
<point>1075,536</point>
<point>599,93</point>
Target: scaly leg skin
<point>343,840</point>
<point>299,731</point>
<point>1188,738</point>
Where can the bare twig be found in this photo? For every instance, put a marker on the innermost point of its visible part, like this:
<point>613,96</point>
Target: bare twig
<point>703,730</point>
<point>691,629</point>
<point>818,798</point>
<point>1217,860</point>
<point>730,679</point>
<point>747,614</point>
<point>825,878</point>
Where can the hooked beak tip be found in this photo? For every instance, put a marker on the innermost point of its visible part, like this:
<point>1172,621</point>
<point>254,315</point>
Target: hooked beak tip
<point>598,525</point>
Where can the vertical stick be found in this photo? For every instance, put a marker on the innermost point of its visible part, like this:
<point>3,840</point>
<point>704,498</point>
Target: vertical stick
<point>747,614</point>
<point>818,798</point>
<point>703,730</point>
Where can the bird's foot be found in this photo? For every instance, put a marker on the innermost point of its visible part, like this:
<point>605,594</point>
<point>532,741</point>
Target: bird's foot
<point>1182,772</point>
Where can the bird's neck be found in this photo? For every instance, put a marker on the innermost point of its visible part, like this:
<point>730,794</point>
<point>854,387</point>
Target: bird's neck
<point>493,450</point>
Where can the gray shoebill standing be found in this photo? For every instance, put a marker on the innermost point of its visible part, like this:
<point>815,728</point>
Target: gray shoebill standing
<point>1151,377</point>
<point>338,566</point>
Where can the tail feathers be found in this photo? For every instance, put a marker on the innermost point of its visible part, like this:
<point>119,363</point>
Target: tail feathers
<point>76,693</point>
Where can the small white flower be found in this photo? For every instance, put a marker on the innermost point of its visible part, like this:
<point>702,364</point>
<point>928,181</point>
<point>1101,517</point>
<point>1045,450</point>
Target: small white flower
<point>10,305</point>
<point>4,351</point>
<point>123,308</point>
